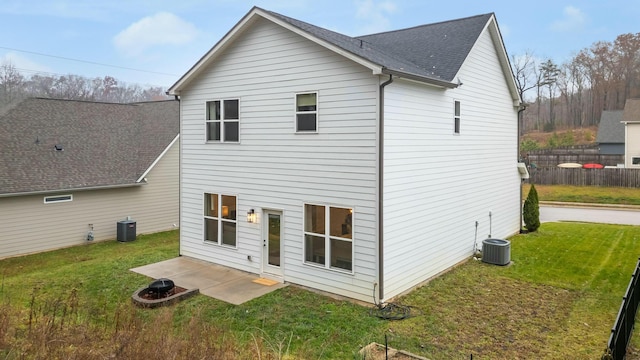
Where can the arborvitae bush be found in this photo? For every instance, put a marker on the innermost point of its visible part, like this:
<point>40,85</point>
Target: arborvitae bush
<point>531,210</point>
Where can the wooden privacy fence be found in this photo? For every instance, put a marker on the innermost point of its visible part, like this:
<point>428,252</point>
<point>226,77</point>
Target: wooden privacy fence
<point>617,177</point>
<point>552,160</point>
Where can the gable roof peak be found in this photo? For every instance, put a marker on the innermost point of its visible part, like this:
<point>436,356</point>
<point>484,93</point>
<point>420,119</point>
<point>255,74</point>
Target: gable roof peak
<point>430,53</point>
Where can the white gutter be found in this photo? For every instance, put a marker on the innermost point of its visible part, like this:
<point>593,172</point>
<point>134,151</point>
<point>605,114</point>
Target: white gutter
<point>101,187</point>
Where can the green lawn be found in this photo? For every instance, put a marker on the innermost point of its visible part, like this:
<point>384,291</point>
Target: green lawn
<point>558,300</point>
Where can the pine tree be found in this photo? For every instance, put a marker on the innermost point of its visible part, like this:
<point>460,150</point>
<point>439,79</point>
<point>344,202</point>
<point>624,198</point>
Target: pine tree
<point>531,210</point>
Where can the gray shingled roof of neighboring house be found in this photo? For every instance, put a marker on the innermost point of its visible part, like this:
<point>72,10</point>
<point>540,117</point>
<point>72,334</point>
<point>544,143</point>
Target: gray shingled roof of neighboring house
<point>611,128</point>
<point>103,144</point>
<point>433,51</point>
<point>631,110</point>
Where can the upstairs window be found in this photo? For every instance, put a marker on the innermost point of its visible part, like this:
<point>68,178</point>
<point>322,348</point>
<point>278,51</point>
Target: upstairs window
<point>307,113</point>
<point>456,117</point>
<point>223,120</point>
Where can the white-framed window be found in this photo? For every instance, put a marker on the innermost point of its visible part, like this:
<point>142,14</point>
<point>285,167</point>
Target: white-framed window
<point>328,236</point>
<point>635,160</point>
<point>307,112</point>
<point>220,219</point>
<point>456,117</point>
<point>58,198</point>
<point>223,120</point>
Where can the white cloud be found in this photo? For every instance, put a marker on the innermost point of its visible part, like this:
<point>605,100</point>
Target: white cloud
<point>375,14</point>
<point>573,19</point>
<point>24,65</point>
<point>163,28</point>
<point>505,31</point>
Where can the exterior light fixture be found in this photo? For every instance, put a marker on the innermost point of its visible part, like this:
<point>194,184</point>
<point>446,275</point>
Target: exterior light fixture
<point>252,217</point>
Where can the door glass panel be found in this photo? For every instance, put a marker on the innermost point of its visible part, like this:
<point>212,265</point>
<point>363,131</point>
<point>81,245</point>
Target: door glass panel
<point>274,239</point>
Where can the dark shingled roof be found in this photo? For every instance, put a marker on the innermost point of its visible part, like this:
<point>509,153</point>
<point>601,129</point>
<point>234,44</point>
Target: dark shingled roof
<point>632,110</point>
<point>434,51</point>
<point>611,128</point>
<point>103,144</point>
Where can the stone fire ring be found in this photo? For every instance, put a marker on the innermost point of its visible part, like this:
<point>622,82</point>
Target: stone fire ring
<point>153,303</point>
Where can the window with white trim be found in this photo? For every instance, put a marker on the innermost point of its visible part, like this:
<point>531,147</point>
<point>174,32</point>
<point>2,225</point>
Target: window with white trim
<point>456,117</point>
<point>635,160</point>
<point>328,236</point>
<point>220,219</point>
<point>307,112</point>
<point>223,120</point>
<point>58,199</point>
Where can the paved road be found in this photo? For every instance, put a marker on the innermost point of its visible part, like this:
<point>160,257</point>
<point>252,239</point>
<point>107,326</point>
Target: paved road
<point>607,215</point>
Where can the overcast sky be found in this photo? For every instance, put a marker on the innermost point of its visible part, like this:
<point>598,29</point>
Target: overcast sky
<point>155,41</point>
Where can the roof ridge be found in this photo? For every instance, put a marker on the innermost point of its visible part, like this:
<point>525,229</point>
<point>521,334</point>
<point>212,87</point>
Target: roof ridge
<point>76,100</point>
<point>356,41</point>
<point>427,25</point>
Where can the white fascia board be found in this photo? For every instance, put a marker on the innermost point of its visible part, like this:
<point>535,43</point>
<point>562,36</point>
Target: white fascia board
<point>141,178</point>
<point>212,53</point>
<point>505,64</point>
<point>494,31</point>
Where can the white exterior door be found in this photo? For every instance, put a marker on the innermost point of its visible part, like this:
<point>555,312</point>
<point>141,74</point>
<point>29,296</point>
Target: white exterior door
<point>272,243</point>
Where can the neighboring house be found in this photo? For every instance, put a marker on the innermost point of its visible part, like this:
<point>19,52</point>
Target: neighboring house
<point>610,136</point>
<point>631,118</point>
<point>357,166</point>
<point>69,168</point>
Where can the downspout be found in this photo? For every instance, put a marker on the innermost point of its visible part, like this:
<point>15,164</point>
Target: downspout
<point>520,110</point>
<point>381,189</point>
<point>177,98</point>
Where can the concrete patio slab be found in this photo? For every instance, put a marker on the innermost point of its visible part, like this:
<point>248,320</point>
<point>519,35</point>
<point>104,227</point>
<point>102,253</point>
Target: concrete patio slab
<point>219,282</point>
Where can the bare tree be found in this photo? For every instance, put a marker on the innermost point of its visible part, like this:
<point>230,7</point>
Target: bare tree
<point>11,84</point>
<point>72,87</point>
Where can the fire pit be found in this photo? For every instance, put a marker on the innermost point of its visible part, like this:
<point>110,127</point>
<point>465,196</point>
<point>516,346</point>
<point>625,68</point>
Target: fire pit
<point>161,292</point>
<point>161,288</point>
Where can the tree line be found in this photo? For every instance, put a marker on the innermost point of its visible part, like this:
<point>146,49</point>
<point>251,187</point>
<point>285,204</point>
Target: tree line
<point>14,87</point>
<point>574,94</point>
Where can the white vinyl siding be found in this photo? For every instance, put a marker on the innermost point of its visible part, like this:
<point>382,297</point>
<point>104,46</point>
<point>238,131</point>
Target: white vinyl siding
<point>274,167</point>
<point>153,206</point>
<point>632,144</point>
<point>437,186</point>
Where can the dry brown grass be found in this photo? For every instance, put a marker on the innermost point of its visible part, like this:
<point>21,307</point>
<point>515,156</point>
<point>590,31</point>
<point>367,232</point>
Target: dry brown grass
<point>582,136</point>
<point>53,329</point>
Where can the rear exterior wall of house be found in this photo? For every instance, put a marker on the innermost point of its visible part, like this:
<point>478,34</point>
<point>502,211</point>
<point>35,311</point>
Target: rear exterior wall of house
<point>274,167</point>
<point>632,146</point>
